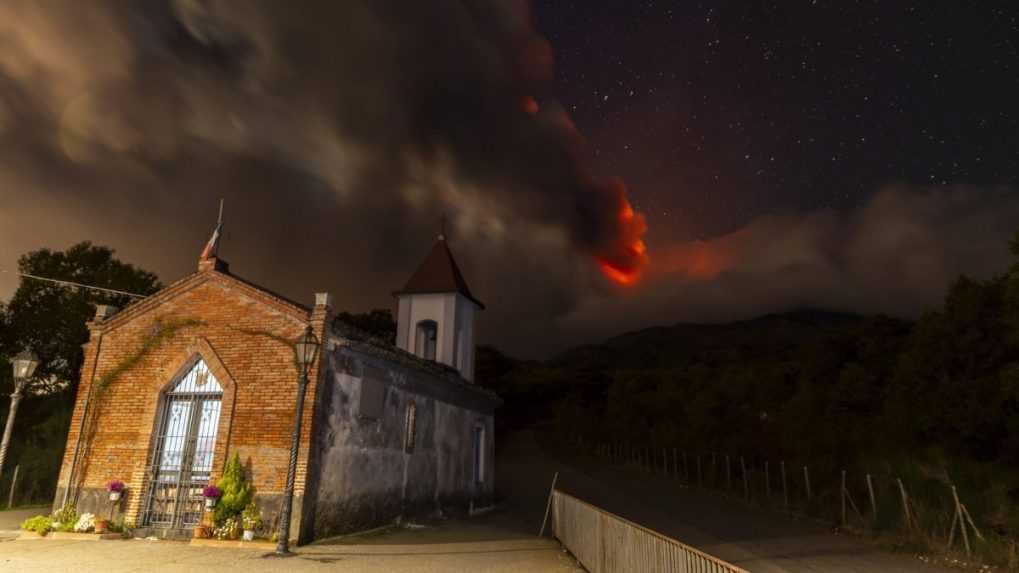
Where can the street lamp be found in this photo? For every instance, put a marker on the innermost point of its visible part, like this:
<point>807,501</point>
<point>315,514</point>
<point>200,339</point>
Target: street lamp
<point>305,351</point>
<point>24,366</point>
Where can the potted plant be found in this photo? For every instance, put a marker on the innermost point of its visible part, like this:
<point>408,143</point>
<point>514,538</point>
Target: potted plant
<point>252,520</point>
<point>101,525</point>
<point>116,489</point>
<point>211,494</point>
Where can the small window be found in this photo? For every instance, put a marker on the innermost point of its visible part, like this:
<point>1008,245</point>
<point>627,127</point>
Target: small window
<point>410,434</point>
<point>479,453</point>
<point>426,339</point>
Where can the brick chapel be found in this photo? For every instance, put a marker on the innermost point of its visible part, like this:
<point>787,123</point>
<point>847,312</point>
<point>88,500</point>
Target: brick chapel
<point>176,383</point>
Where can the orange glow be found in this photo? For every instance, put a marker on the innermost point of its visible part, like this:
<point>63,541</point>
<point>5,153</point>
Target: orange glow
<point>624,263</point>
<point>529,105</point>
<point>617,275</point>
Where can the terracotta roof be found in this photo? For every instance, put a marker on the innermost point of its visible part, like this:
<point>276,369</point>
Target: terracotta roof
<point>438,273</point>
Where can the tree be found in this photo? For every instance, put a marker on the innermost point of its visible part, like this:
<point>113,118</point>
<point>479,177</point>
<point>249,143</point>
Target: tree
<point>376,322</point>
<point>50,318</point>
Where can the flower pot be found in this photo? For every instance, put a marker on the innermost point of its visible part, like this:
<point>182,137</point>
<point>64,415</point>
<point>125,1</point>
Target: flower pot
<point>201,532</point>
<point>249,534</point>
<point>210,502</point>
<point>100,526</point>
<point>115,496</point>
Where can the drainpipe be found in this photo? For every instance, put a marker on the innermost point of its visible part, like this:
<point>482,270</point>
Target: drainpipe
<point>101,313</point>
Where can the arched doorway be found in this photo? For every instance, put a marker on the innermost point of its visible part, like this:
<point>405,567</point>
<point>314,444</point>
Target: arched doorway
<point>182,449</point>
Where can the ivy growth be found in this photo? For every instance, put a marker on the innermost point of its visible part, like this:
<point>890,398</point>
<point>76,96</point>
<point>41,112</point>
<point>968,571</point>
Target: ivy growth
<point>162,332</point>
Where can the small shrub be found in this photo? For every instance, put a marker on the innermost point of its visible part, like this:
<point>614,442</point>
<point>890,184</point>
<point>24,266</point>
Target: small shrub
<point>252,517</point>
<point>65,516</point>
<point>40,524</point>
<point>237,492</point>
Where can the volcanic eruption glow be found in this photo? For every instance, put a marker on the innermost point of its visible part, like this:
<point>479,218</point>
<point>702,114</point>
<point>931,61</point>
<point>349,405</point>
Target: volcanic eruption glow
<point>630,256</point>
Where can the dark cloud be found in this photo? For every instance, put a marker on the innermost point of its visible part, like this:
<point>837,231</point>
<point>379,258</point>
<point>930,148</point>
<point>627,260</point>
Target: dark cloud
<point>340,132</point>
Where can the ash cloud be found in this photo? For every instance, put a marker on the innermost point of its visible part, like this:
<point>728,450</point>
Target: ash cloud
<point>341,132</point>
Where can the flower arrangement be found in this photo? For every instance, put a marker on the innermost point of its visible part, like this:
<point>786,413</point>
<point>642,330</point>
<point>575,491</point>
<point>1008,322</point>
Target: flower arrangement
<point>252,520</point>
<point>211,494</point>
<point>86,522</point>
<point>116,489</point>
<point>227,529</point>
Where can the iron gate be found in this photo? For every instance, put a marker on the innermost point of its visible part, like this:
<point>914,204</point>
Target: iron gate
<point>182,450</point>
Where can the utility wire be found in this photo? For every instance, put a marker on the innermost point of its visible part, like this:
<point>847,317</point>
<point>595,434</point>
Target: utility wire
<point>77,285</point>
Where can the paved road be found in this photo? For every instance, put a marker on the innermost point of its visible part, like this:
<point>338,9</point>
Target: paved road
<point>757,540</point>
<point>141,556</point>
<point>10,519</point>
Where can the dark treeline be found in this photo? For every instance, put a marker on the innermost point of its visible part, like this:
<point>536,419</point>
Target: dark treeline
<point>799,384</point>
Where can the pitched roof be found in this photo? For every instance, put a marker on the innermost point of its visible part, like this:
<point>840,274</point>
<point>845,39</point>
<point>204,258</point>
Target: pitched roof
<point>438,273</point>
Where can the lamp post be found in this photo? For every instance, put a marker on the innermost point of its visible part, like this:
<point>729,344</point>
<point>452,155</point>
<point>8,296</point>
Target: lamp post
<point>305,350</point>
<point>24,366</point>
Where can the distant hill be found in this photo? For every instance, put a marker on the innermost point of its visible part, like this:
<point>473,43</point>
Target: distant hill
<point>680,344</point>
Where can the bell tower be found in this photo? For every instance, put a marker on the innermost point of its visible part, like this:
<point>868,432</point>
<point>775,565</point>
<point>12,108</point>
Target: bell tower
<point>435,319</point>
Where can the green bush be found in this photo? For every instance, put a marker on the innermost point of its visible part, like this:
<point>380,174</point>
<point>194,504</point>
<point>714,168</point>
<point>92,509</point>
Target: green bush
<point>39,524</point>
<point>237,492</point>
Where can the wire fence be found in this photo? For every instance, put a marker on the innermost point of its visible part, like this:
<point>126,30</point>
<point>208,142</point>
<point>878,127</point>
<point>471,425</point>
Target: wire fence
<point>605,543</point>
<point>931,512</point>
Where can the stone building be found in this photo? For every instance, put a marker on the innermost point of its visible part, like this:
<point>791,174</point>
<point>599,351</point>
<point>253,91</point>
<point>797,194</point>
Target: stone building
<point>176,383</point>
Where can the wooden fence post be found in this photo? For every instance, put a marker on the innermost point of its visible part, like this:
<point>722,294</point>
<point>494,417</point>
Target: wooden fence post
<point>905,505</point>
<point>665,462</point>
<point>746,479</point>
<point>785,490</point>
<point>14,483</point>
<point>728,474</point>
<point>961,519</point>
<point>675,463</point>
<point>686,468</point>
<point>873,500</point>
<point>548,506</point>
<point>842,497</point>
<point>700,476</point>
<point>767,481</point>
<point>806,481</point>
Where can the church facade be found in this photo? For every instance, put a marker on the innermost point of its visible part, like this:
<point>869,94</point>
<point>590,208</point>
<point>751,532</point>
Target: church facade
<point>177,383</point>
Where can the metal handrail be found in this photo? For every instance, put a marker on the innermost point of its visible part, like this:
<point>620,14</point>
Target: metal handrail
<point>660,553</point>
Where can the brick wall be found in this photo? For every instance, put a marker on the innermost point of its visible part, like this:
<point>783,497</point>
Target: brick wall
<point>238,339</point>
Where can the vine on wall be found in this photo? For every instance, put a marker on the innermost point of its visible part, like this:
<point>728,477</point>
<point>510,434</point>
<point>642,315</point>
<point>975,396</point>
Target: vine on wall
<point>162,331</point>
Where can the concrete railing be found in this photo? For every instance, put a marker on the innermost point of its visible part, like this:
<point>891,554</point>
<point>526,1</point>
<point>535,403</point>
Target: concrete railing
<point>606,543</point>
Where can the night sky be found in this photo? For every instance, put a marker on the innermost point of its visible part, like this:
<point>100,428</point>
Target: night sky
<point>604,166</point>
<point>718,112</point>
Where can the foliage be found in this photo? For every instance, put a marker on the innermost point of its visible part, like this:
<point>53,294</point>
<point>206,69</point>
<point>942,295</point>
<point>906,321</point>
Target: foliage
<point>237,492</point>
<point>831,390</point>
<point>115,486</point>
<point>251,516</point>
<point>51,319</point>
<point>211,491</point>
<point>376,322</point>
<point>86,522</point>
<point>66,514</point>
<point>40,524</point>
